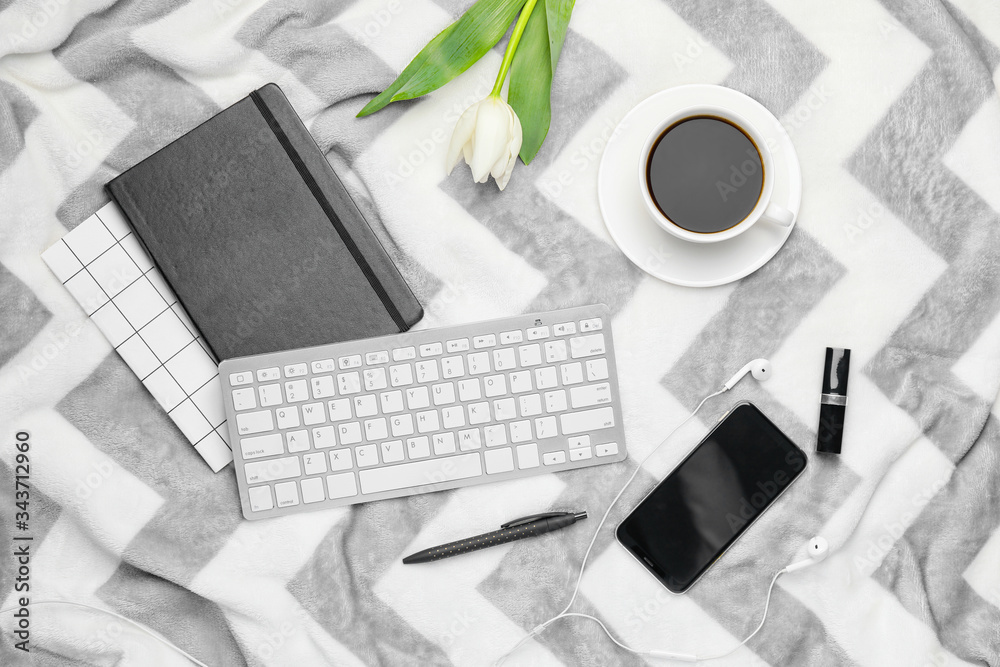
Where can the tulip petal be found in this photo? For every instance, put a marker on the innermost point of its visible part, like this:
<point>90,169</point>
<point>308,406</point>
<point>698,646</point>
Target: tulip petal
<point>464,131</point>
<point>491,136</point>
<point>515,148</point>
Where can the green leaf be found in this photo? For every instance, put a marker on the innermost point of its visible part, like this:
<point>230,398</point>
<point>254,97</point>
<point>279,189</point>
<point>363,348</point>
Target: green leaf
<point>557,14</point>
<point>531,83</point>
<point>453,51</point>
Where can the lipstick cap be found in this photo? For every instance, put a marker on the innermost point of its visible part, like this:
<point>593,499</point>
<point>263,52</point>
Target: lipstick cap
<point>833,401</point>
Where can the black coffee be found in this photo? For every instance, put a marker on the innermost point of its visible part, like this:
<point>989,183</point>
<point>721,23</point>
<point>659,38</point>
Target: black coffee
<point>705,174</point>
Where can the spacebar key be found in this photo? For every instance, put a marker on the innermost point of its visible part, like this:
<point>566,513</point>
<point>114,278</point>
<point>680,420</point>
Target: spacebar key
<point>422,473</point>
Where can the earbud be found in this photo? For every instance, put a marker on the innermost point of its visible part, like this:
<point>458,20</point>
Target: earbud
<point>818,549</point>
<point>759,368</point>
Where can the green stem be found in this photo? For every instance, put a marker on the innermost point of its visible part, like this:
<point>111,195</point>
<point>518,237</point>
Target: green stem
<point>515,37</point>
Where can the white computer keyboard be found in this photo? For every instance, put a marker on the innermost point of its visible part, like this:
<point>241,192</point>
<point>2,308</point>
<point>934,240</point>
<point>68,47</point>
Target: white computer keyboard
<point>423,411</point>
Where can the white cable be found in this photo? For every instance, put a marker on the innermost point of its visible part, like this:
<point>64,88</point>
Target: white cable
<point>579,580</point>
<point>152,633</point>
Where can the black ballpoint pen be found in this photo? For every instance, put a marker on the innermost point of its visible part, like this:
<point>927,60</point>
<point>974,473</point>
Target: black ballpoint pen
<point>518,529</point>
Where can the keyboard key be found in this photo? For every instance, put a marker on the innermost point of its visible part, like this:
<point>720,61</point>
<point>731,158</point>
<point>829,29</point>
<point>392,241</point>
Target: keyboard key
<point>531,355</point>
<point>340,409</point>
<point>555,351</point>
<point>418,447</point>
<point>586,346</point>
<point>323,386</point>
<point>545,427</point>
<point>315,463</point>
<point>495,385</point>
<point>297,441</point>
<point>431,349</point>
<point>504,408</point>
<point>312,490</point>
<point>270,394</point>
<point>249,423</point>
<point>295,370</point>
<point>260,499</point>
<point>520,431</point>
<point>417,397</point>
<point>530,405</point>
<point>469,390</point>
<point>495,435</point>
<point>479,363</point>
<point>401,425</point>
<point>324,436</point>
<point>349,433</point>
<point>457,345</point>
<point>469,439</point>
<point>400,376</point>
<point>392,451</point>
<point>444,443</point>
<point>375,379</point>
<point>272,469</point>
<point>564,328</point>
<point>589,395</point>
<point>504,360</point>
<point>427,371</point>
<point>579,454</point>
<point>340,459</point>
<point>269,374</point>
<point>378,357</point>
<point>323,366</point>
<point>404,353</point>
<point>287,417</point>
<point>555,401</point>
<point>527,456</point>
<point>366,455</point>
<point>489,340</point>
<point>349,361</point>
<point>443,393</point>
<point>579,441</point>
<point>597,369</point>
<point>365,406</point>
<point>520,382</point>
<point>511,337</point>
<point>572,373</point>
<point>376,429</point>
<point>341,486</point>
<point>427,422</point>
<point>244,399</point>
<point>453,416</point>
<point>392,401</point>
<point>609,449</point>
<point>537,333</point>
<point>588,420</point>
<point>349,383</point>
<point>546,378</point>
<point>421,473</point>
<point>313,413</point>
<point>499,460</point>
<point>553,458</point>
<point>237,379</point>
<point>262,445</point>
<point>591,325</point>
<point>479,413</point>
<point>452,367</point>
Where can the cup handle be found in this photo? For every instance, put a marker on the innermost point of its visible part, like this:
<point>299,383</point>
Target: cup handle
<point>778,215</point>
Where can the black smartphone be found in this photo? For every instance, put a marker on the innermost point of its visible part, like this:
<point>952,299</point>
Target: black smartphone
<point>702,507</point>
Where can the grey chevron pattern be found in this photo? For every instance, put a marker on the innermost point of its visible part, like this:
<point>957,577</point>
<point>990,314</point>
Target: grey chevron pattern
<point>126,516</point>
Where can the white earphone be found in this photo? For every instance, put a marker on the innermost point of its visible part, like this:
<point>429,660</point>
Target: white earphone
<point>817,549</point>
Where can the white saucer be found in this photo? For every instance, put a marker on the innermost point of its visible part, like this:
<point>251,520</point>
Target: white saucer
<point>656,251</point>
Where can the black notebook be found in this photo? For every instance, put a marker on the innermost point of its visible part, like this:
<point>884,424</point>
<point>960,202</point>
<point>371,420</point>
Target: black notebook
<point>258,237</point>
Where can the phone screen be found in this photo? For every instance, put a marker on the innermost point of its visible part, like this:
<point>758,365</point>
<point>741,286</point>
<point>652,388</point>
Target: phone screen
<point>711,497</point>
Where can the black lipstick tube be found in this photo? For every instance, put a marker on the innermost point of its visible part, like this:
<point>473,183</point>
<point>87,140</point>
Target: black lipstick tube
<point>833,401</point>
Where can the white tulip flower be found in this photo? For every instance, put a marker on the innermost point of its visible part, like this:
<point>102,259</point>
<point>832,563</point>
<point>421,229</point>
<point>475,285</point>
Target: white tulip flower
<point>488,135</point>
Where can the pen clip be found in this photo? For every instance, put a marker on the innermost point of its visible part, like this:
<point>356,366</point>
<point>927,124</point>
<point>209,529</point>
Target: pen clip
<point>529,519</point>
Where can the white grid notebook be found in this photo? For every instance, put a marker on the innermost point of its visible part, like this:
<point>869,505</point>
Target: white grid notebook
<point>107,270</point>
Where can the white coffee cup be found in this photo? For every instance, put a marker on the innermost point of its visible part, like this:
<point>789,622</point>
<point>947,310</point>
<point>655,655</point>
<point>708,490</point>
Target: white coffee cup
<point>765,209</point>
